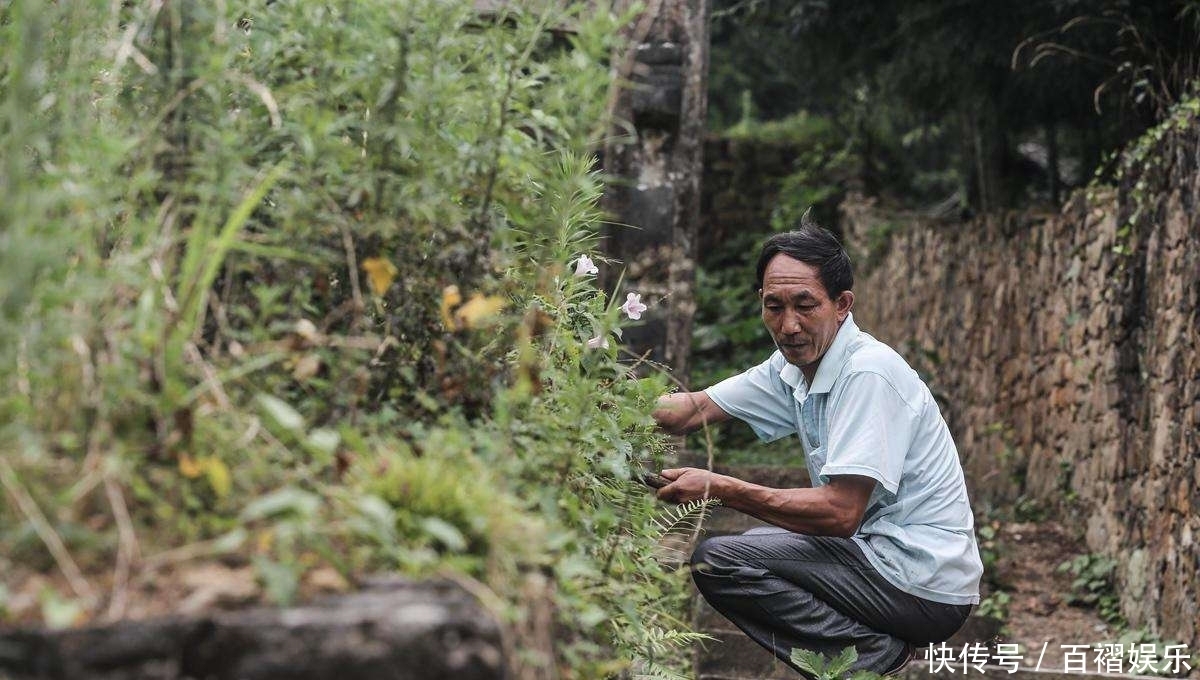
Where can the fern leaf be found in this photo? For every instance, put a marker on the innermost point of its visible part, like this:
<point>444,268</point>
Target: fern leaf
<point>684,517</point>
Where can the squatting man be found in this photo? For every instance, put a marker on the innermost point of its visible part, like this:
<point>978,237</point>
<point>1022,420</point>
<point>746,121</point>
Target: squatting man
<point>880,552</point>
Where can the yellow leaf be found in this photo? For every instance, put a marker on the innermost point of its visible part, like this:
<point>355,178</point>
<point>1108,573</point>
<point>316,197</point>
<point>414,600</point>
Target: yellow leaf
<point>218,476</point>
<point>380,274</point>
<point>307,366</point>
<point>188,467</point>
<point>451,298</point>
<point>478,310</point>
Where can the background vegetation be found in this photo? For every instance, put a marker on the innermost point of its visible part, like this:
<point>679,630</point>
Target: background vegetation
<point>960,105</point>
<point>291,284</point>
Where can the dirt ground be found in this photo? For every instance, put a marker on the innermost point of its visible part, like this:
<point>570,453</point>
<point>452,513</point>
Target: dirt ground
<point>1038,614</point>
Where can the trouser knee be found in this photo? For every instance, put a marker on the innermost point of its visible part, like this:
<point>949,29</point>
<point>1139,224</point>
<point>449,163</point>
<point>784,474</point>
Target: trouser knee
<point>710,553</point>
<point>716,563</point>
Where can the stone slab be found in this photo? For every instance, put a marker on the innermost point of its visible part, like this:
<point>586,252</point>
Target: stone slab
<point>393,629</point>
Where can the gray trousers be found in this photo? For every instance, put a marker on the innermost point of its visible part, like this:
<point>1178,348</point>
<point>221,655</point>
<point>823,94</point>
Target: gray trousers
<point>792,591</point>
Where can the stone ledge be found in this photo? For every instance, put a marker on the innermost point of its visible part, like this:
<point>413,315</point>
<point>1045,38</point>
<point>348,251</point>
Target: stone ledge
<point>394,629</point>
<point>732,654</point>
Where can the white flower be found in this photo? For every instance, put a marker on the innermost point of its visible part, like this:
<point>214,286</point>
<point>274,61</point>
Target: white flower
<point>633,306</point>
<point>584,266</point>
<point>598,342</point>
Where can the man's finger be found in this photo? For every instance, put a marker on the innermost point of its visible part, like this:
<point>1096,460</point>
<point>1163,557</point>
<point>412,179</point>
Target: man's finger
<point>667,493</point>
<point>674,473</point>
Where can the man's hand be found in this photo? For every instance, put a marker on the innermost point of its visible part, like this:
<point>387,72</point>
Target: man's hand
<point>689,484</point>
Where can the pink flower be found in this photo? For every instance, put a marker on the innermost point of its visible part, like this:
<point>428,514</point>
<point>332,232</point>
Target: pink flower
<point>598,342</point>
<point>584,266</point>
<point>633,306</point>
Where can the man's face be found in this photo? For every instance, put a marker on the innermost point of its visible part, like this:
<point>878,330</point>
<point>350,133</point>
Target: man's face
<point>799,314</point>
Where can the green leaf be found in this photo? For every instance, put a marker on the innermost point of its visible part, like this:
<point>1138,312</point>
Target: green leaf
<point>444,532</point>
<point>280,579</point>
<point>58,612</point>
<point>229,542</point>
<point>281,413</point>
<point>808,661</point>
<point>843,661</point>
<point>285,501</point>
<point>323,442</point>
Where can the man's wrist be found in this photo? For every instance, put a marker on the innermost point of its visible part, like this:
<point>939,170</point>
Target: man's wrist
<point>723,488</point>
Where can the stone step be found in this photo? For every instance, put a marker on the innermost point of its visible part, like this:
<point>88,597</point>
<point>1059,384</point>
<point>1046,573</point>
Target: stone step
<point>725,521</point>
<point>733,655</point>
<point>709,620</point>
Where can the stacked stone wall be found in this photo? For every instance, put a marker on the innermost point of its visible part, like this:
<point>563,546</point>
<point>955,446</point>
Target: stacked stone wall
<point>1065,349</point>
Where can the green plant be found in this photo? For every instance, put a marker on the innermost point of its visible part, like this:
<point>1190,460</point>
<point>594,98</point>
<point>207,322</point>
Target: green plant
<point>1029,509</point>
<point>995,605</point>
<point>1093,586</point>
<point>821,667</point>
<point>990,546</point>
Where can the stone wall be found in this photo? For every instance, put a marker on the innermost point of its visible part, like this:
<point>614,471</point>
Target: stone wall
<point>1065,349</point>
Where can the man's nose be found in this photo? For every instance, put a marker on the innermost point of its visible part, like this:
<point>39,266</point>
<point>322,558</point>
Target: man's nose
<point>791,322</point>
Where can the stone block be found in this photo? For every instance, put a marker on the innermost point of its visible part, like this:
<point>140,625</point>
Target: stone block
<point>394,630</point>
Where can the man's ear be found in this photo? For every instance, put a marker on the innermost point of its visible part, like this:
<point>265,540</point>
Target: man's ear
<point>843,303</point>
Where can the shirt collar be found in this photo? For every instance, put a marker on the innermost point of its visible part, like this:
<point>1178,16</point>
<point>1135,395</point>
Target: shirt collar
<point>831,362</point>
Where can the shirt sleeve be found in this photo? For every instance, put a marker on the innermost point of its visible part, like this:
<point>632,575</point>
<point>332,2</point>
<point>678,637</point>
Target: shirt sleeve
<point>760,398</point>
<point>870,431</point>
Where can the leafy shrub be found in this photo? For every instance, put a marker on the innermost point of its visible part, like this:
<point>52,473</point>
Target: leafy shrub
<point>293,281</point>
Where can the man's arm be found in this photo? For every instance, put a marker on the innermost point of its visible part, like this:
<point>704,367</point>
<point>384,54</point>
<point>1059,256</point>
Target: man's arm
<point>684,412</point>
<point>835,509</point>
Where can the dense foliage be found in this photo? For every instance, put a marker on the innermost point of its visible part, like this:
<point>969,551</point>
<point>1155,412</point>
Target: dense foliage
<point>292,284</point>
<point>965,103</point>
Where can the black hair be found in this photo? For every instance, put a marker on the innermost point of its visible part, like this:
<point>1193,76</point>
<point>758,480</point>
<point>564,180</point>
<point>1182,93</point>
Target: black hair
<point>813,245</point>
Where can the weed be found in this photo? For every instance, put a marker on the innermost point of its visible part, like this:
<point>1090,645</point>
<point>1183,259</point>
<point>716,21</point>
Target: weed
<point>820,667</point>
<point>995,605</point>
<point>1093,586</point>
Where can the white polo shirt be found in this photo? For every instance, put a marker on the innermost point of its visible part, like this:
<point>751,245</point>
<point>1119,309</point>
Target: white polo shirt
<point>868,413</point>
